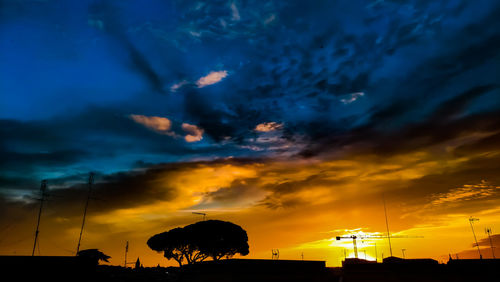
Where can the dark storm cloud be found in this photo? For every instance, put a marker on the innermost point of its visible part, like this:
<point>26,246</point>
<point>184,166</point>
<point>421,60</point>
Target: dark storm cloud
<point>115,191</point>
<point>62,143</point>
<point>447,122</point>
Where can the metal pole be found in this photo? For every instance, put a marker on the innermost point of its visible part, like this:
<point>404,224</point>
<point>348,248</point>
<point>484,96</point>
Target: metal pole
<point>126,251</point>
<point>488,231</point>
<point>355,246</point>
<point>91,179</point>
<point>471,219</point>
<point>387,226</point>
<point>42,188</point>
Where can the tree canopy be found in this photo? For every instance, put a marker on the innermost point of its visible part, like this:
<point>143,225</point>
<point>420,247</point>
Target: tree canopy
<point>196,242</point>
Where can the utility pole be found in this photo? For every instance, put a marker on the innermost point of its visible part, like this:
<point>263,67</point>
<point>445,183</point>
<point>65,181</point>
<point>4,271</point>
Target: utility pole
<point>471,220</point>
<point>91,180</point>
<point>376,255</point>
<point>43,188</point>
<point>387,226</point>
<point>403,251</point>
<point>488,231</point>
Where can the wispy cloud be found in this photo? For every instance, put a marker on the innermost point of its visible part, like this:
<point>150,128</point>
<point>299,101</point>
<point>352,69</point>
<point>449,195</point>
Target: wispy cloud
<point>195,133</point>
<point>465,193</point>
<point>235,12</point>
<point>178,85</point>
<point>352,97</point>
<point>211,78</point>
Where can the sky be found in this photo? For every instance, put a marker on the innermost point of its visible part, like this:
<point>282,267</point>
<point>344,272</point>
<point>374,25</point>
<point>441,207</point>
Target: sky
<point>294,119</point>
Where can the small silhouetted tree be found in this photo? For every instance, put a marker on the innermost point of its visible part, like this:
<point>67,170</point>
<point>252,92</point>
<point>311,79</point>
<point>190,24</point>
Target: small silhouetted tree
<point>196,242</point>
<point>94,254</point>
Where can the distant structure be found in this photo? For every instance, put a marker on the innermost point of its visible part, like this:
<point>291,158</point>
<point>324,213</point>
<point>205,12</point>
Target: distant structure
<point>201,213</point>
<point>356,237</point>
<point>275,254</point>
<point>138,264</point>
<point>43,189</point>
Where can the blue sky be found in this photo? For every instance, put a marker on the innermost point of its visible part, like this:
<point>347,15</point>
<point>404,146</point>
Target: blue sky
<point>73,73</point>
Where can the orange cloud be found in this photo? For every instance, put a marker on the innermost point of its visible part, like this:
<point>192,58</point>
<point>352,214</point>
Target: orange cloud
<point>195,133</point>
<point>268,126</point>
<point>160,124</point>
<point>211,78</point>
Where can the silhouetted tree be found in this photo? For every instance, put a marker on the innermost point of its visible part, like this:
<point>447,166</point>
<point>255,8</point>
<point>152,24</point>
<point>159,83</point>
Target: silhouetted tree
<point>173,244</point>
<point>197,242</point>
<point>94,254</point>
<point>219,239</point>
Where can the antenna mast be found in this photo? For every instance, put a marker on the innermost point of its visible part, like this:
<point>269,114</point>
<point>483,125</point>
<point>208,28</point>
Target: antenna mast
<point>488,231</point>
<point>91,180</point>
<point>471,220</point>
<point>387,226</point>
<point>43,188</point>
<point>201,213</point>
<point>126,251</point>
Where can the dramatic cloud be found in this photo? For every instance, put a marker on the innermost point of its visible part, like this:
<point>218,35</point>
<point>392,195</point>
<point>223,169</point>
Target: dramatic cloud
<point>211,78</point>
<point>195,133</point>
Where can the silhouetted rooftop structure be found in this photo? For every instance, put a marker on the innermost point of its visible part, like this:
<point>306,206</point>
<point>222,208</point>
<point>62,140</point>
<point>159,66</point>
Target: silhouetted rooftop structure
<point>257,270</point>
<point>49,268</point>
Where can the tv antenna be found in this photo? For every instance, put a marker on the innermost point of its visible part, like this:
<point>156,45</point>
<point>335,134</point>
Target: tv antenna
<point>488,231</point>
<point>126,251</point>
<point>90,182</point>
<point>387,226</point>
<point>201,213</point>
<point>43,189</point>
<point>276,254</point>
<point>471,221</point>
